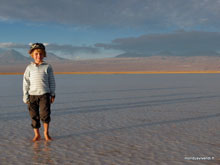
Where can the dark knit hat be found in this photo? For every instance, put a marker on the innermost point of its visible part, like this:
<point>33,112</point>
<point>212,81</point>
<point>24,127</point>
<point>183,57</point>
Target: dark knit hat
<point>36,46</point>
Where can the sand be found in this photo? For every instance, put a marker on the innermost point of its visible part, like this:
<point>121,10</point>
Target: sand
<point>117,119</point>
<point>147,64</point>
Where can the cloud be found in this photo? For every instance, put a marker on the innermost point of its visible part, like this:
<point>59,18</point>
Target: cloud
<point>148,14</point>
<point>180,42</point>
<point>72,49</point>
<point>12,45</point>
<point>65,49</point>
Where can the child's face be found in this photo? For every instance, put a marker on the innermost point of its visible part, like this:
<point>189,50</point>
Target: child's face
<point>38,56</point>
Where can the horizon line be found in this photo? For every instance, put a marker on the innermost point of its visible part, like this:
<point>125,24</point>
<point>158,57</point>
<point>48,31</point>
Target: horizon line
<point>123,72</point>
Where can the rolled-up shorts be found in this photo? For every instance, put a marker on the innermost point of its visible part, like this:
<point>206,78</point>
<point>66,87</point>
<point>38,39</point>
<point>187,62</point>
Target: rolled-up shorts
<point>39,109</point>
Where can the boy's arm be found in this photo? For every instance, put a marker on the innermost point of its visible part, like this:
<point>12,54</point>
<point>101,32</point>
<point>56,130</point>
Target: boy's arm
<point>52,84</point>
<point>26,85</point>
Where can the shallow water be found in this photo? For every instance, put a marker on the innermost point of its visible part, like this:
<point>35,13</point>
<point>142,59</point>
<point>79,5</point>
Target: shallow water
<point>117,119</point>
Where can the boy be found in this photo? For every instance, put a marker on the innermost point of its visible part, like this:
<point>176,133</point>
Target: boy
<point>39,90</point>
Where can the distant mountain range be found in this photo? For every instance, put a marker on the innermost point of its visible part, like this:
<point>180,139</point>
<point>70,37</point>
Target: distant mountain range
<point>153,63</point>
<point>51,57</point>
<point>14,57</point>
<point>14,61</point>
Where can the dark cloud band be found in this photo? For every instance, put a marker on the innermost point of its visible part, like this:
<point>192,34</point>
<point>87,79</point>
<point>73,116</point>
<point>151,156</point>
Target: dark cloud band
<point>134,13</point>
<point>177,43</point>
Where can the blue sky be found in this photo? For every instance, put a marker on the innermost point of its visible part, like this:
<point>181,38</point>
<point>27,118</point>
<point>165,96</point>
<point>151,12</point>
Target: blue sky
<point>106,28</point>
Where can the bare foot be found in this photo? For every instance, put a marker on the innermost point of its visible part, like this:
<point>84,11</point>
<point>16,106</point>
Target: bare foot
<point>47,137</point>
<point>36,138</point>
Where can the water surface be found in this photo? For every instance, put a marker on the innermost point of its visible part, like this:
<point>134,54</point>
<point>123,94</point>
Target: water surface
<point>116,119</point>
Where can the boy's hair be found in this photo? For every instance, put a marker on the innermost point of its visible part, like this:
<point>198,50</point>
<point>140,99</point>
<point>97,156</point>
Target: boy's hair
<point>37,46</point>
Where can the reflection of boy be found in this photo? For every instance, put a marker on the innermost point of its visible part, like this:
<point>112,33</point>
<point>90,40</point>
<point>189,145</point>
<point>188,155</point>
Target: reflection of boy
<point>39,90</point>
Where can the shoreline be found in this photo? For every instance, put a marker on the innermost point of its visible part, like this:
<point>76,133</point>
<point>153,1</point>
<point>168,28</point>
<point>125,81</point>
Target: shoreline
<point>123,72</point>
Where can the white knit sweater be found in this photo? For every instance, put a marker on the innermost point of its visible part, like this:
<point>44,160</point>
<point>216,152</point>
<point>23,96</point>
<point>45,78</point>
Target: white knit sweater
<point>38,80</point>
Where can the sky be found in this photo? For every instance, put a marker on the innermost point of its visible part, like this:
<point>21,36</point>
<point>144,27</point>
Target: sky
<point>79,29</point>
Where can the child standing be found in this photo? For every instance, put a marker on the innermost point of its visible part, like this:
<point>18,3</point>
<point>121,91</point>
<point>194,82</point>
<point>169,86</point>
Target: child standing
<point>39,90</point>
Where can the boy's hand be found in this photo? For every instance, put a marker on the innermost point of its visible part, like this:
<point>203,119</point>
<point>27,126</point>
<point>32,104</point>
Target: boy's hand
<point>52,99</point>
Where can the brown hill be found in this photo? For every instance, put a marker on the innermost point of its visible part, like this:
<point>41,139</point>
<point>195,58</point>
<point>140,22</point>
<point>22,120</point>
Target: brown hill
<point>154,63</point>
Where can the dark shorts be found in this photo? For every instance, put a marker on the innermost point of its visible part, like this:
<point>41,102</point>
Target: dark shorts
<point>39,109</point>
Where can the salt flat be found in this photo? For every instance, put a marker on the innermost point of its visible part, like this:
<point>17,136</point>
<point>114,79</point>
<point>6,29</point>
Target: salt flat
<point>117,119</point>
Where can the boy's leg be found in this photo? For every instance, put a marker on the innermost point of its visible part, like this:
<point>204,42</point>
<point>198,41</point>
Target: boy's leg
<point>46,132</point>
<point>37,134</point>
<point>35,117</point>
<point>45,114</point>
